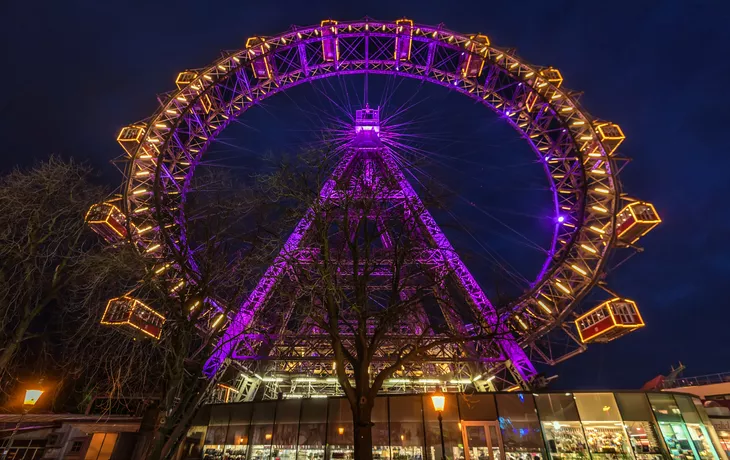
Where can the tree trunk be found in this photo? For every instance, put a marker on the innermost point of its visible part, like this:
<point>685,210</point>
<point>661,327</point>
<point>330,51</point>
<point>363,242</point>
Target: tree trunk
<point>147,428</point>
<point>18,334</point>
<point>362,416</point>
<point>176,424</point>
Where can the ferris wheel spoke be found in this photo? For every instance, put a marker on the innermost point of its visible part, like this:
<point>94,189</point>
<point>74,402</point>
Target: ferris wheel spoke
<point>527,240</point>
<point>494,255</point>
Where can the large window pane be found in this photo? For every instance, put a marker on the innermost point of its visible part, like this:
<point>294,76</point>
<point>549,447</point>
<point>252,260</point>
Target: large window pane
<point>406,427</point>
<point>672,426</point>
<point>643,432</point>
<point>313,429</point>
<point>340,430</point>
<point>284,441</point>
<point>262,430</point>
<point>602,424</point>
<point>452,430</point>
<point>215,438</point>
<point>677,439</point>
<point>477,407</point>
<point>701,441</point>
<point>698,435</point>
<point>561,426</point>
<point>520,427</point>
<point>634,407</point>
<point>237,438</point>
<point>665,408</point>
<point>707,424</point>
<point>381,440</point>
<point>557,407</point>
<point>687,409</point>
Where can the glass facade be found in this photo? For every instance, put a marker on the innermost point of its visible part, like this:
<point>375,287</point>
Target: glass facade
<point>603,426</point>
<point>482,426</point>
<point>520,427</point>
<point>564,434</point>
<point>643,432</point>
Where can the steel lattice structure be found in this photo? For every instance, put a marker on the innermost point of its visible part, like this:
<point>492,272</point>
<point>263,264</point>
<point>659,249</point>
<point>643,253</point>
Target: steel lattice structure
<point>578,153</point>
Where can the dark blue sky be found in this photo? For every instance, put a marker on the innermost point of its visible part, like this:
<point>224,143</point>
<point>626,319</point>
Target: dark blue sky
<point>74,72</point>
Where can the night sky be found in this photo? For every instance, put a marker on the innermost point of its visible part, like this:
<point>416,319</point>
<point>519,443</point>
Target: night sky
<point>74,72</point>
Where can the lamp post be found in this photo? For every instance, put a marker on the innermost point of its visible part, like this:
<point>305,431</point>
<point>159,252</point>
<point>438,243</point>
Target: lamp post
<point>31,397</point>
<point>439,401</point>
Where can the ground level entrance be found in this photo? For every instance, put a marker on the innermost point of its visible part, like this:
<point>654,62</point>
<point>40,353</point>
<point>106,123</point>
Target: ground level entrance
<point>481,441</point>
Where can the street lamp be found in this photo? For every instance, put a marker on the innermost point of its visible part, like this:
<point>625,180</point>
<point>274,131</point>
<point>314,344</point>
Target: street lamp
<point>31,397</point>
<point>439,401</point>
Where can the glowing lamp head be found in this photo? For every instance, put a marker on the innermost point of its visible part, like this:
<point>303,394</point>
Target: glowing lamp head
<point>439,401</point>
<point>268,436</point>
<point>31,397</point>
<point>340,431</point>
<point>561,219</point>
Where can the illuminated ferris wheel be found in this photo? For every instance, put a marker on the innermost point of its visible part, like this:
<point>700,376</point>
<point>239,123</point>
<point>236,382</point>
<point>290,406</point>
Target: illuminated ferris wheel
<point>579,154</point>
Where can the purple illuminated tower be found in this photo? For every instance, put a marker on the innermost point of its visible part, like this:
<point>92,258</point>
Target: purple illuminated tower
<point>366,164</point>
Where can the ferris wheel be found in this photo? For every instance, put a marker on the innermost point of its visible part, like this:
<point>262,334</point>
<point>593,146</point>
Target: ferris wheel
<point>593,216</point>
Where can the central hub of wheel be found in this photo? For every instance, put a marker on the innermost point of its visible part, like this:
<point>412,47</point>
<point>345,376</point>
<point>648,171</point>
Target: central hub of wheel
<point>367,129</point>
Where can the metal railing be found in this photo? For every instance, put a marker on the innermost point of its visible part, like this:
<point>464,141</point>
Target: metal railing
<point>697,381</point>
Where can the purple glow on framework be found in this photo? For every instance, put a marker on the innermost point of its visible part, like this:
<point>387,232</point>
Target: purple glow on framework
<point>244,315</point>
<point>443,253</point>
<point>561,219</point>
<point>512,350</point>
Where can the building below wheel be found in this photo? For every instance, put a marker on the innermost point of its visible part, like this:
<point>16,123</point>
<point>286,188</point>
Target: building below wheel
<point>479,426</point>
<point>713,390</point>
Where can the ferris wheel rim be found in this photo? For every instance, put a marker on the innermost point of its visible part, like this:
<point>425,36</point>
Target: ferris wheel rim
<point>238,61</point>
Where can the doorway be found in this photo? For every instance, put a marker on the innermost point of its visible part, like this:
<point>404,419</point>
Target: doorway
<point>482,441</point>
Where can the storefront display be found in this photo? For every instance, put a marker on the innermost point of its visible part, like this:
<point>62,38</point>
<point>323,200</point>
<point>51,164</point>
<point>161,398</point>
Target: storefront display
<point>701,441</point>
<point>644,441</point>
<point>677,440</point>
<point>520,427</point>
<point>713,433</point>
<point>565,440</point>
<point>309,453</point>
<point>698,434</point>
<point>609,442</point>
<point>482,426</point>
<point>561,426</point>
<point>603,426</point>
<point>215,437</point>
<point>213,452</point>
<point>312,433</point>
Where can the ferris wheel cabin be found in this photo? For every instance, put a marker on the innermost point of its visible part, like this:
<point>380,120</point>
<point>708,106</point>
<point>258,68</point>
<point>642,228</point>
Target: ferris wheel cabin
<point>403,39</point>
<point>609,321</point>
<point>128,311</point>
<point>330,46</point>
<point>260,60</point>
<point>635,221</point>
<point>130,137</point>
<point>108,221</point>
<point>473,59</point>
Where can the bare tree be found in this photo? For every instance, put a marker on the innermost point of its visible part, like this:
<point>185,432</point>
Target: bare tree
<point>223,226</point>
<point>367,277</point>
<point>45,253</point>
